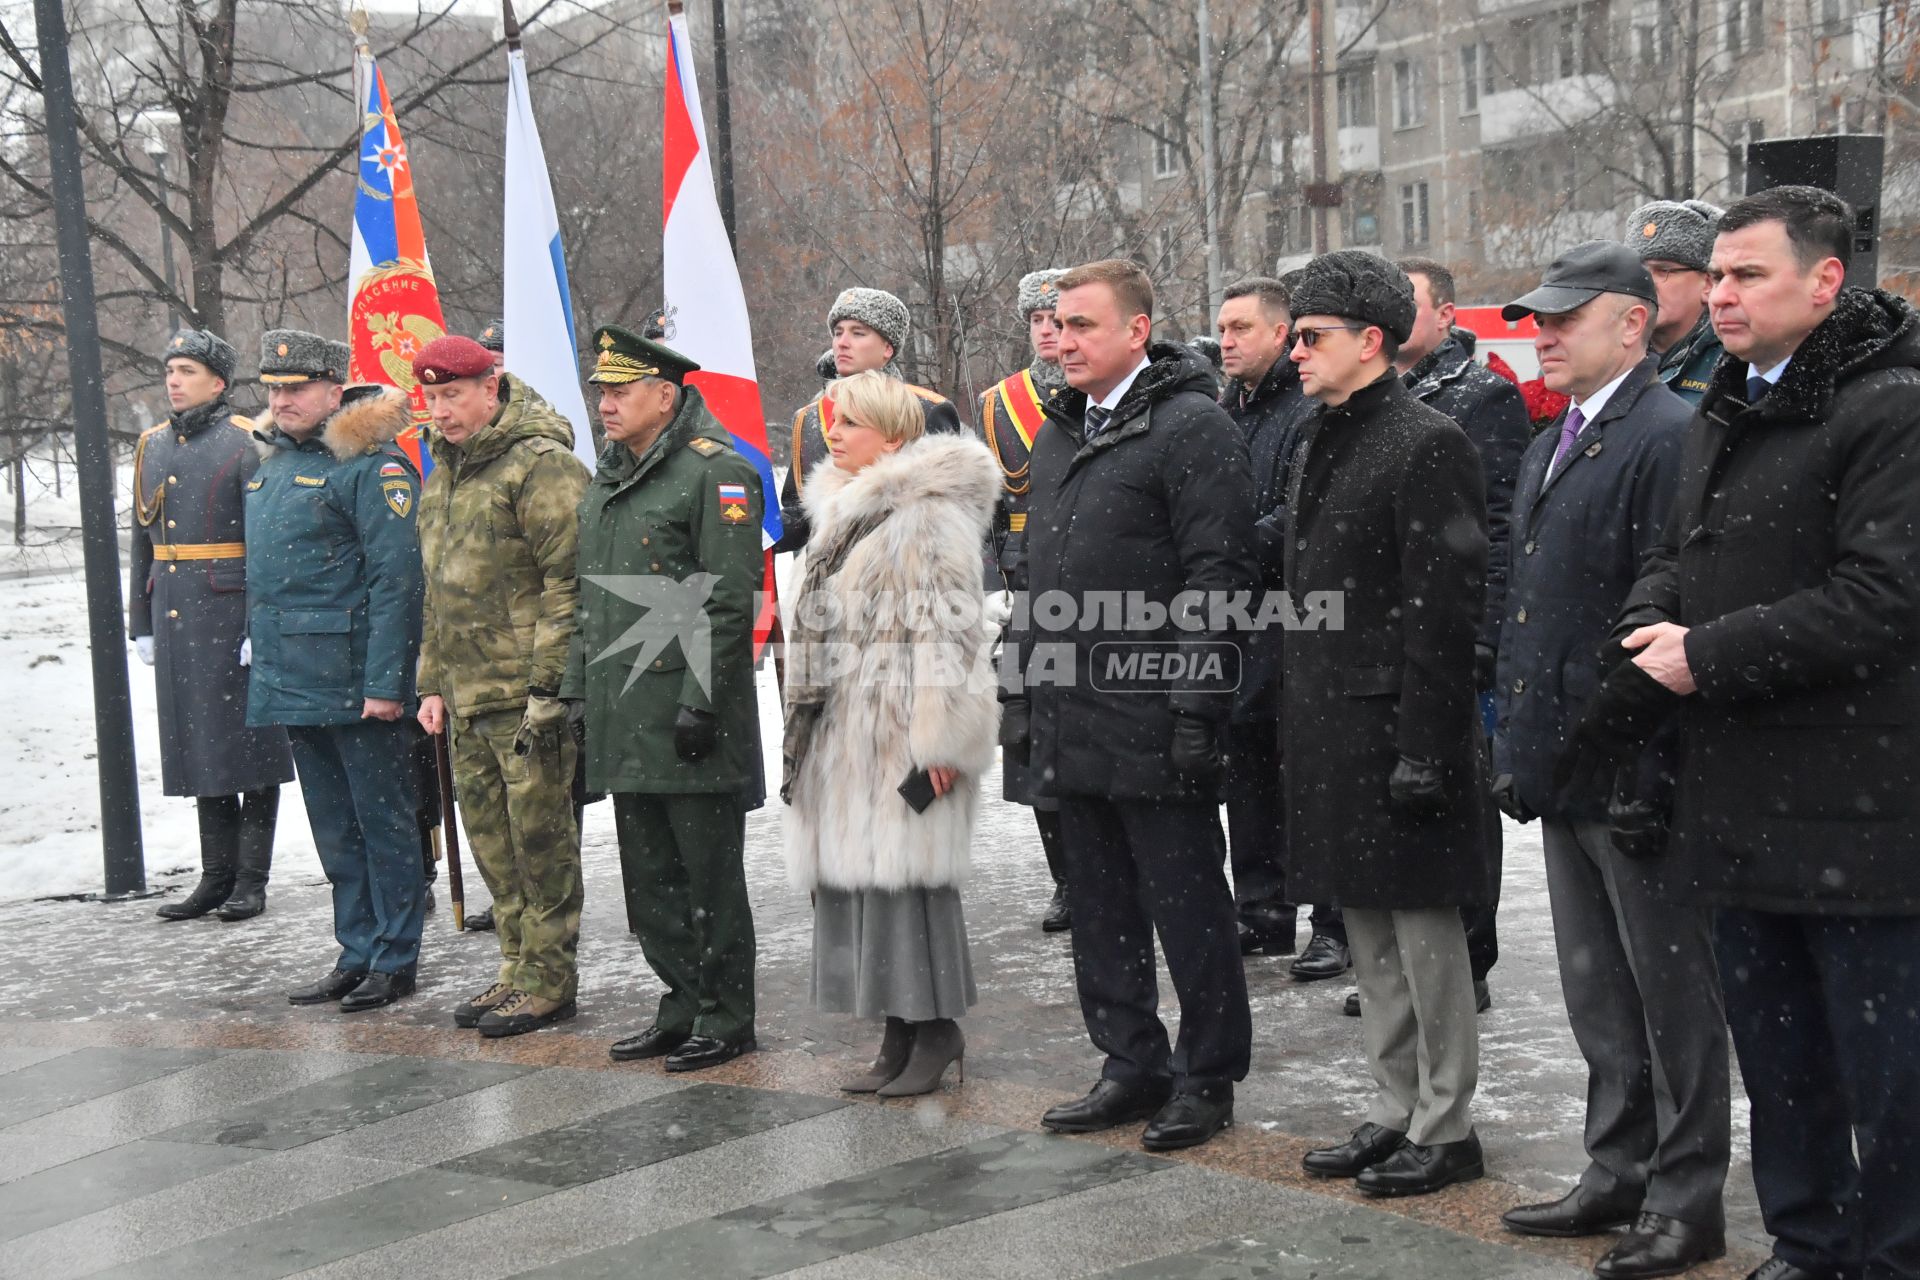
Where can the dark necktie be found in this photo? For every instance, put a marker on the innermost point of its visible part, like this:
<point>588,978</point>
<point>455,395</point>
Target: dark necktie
<point>1757,387</point>
<point>1097,419</point>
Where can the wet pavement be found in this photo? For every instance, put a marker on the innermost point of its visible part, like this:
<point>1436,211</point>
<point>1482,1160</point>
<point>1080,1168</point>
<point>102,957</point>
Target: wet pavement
<point>164,1112</point>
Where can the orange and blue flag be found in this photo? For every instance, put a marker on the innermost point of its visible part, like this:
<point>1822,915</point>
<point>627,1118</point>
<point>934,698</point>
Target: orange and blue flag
<point>393,305</point>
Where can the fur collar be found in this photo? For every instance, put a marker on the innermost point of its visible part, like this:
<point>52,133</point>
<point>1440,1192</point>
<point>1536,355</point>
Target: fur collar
<point>1869,330</point>
<point>363,424</point>
<point>934,468</point>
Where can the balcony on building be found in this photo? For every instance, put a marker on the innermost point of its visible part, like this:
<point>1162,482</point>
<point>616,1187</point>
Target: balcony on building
<point>1542,109</point>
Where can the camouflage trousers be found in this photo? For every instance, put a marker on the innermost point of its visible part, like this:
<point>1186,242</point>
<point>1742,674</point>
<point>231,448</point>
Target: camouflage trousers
<point>517,812</point>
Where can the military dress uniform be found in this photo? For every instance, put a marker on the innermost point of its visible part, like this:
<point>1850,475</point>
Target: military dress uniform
<point>499,529</point>
<point>334,601</point>
<point>189,589</point>
<point>656,528</point>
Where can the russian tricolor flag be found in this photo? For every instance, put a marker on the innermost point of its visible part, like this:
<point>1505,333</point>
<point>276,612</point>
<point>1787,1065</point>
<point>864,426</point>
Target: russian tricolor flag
<point>538,307</point>
<point>706,308</point>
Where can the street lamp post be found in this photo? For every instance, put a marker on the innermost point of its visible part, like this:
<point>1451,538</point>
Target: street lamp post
<point>152,123</point>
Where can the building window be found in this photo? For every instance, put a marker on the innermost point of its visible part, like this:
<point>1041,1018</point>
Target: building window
<point>1566,45</point>
<point>1413,213</point>
<point>1166,157</point>
<point>1409,95</point>
<point>1360,213</point>
<point>1654,42</point>
<point>1469,79</point>
<point>1746,29</point>
<point>1289,230</point>
<point>1746,132</point>
<point>1833,17</point>
<point>1354,87</point>
<point>1473,212</point>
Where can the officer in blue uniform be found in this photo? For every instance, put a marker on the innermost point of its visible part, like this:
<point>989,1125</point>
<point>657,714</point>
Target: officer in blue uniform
<point>334,597</point>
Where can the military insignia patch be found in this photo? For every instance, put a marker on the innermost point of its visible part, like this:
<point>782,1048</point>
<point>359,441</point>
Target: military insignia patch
<point>733,503</point>
<point>312,482</point>
<point>1650,231</point>
<point>255,484</point>
<point>399,496</point>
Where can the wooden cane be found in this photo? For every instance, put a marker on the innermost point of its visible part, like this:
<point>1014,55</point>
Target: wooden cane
<point>451,823</point>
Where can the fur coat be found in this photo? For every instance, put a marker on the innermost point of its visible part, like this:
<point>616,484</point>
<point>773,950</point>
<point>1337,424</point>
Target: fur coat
<point>922,691</point>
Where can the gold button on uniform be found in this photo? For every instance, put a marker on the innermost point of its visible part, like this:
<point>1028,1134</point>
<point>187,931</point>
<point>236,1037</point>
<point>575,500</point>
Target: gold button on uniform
<point>173,613</point>
<point>173,568</point>
<point>646,542</point>
<point>173,479</point>
<point>169,524</point>
<point>656,566</point>
<point>1521,617</point>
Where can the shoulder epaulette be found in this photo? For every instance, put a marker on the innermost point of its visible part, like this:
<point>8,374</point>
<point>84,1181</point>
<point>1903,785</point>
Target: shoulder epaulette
<point>241,422</point>
<point>932,397</point>
<point>704,447</point>
<point>156,427</point>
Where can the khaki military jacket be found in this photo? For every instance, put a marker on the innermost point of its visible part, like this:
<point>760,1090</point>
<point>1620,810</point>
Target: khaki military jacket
<point>499,531</point>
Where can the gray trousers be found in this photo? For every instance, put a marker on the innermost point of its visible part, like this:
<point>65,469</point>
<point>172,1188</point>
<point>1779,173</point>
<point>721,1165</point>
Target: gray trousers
<point>1643,995</point>
<point>1417,1015</point>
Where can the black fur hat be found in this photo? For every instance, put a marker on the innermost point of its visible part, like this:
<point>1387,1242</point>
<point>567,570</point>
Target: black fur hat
<point>1358,286</point>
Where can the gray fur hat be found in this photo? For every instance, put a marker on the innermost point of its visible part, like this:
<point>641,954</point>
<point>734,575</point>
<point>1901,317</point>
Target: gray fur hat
<point>206,347</point>
<point>1357,286</point>
<point>877,309</point>
<point>1038,291</point>
<point>294,355</point>
<point>1674,231</point>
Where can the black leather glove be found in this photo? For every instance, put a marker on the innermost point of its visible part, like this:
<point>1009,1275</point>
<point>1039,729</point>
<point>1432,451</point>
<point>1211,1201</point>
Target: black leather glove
<point>1196,747</point>
<point>1418,788</point>
<point>1484,659</point>
<point>1509,800</point>
<point>1622,718</point>
<point>1016,729</point>
<point>695,734</point>
<point>1637,828</point>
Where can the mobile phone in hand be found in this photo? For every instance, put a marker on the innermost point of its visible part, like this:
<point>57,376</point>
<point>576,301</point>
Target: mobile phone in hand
<point>917,790</point>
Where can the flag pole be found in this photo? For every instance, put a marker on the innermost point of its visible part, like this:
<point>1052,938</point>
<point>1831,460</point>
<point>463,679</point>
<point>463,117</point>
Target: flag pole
<point>510,25</point>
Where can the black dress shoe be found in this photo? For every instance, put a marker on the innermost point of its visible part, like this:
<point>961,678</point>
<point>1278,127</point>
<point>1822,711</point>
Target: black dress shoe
<point>375,990</point>
<point>1110,1103</point>
<point>1657,1245</point>
<point>1187,1120</point>
<point>1415,1170</point>
<point>1370,1144</point>
<point>329,988</point>
<point>1778,1268</point>
<point>698,1052</point>
<point>651,1043</point>
<point>1059,917</point>
<point>1352,1006</point>
<point>1580,1212</point>
<point>1324,958</point>
<point>1268,930</point>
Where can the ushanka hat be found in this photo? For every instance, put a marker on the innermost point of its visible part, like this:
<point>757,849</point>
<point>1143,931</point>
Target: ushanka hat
<point>622,356</point>
<point>1679,231</point>
<point>494,336</point>
<point>877,309</point>
<point>1356,286</point>
<point>203,346</point>
<point>1039,291</point>
<point>294,355</point>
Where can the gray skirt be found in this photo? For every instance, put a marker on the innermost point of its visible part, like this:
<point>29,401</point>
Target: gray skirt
<point>901,954</point>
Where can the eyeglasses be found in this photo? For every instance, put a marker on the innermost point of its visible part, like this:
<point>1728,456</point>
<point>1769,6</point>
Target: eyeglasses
<point>1310,338</point>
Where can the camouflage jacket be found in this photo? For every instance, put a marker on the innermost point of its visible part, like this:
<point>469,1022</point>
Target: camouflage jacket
<point>499,529</point>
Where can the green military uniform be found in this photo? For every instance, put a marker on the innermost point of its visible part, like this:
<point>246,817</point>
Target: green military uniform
<point>499,526</point>
<point>334,597</point>
<point>1687,367</point>
<point>654,529</point>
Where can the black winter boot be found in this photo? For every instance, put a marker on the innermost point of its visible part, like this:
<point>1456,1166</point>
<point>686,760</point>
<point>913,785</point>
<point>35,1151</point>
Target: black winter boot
<point>219,851</point>
<point>259,814</point>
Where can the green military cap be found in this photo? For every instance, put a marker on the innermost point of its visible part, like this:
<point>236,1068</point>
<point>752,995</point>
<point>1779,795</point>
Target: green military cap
<point>621,355</point>
<point>293,355</point>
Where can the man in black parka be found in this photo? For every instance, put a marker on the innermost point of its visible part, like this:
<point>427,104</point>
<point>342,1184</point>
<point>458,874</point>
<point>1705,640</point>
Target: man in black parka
<point>1141,492</point>
<point>1380,726</point>
<point>1779,619</point>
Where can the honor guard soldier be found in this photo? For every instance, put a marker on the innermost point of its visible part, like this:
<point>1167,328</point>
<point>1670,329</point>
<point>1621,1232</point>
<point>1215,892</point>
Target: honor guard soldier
<point>670,559</point>
<point>333,567</point>
<point>1010,412</point>
<point>499,528</point>
<point>494,339</point>
<point>190,577</point>
<point>869,329</point>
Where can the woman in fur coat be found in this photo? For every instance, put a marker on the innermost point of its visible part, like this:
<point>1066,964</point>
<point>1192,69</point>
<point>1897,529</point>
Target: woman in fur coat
<point>889,677</point>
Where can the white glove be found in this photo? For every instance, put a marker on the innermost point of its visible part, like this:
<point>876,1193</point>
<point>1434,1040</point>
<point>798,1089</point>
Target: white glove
<point>246,652</point>
<point>999,608</point>
<point>144,644</point>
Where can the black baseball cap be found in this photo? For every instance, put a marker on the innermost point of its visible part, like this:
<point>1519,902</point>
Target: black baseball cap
<point>1582,274</point>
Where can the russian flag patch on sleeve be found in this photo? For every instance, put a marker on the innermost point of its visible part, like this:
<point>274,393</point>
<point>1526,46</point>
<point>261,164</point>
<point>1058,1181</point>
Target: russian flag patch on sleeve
<point>393,469</point>
<point>733,503</point>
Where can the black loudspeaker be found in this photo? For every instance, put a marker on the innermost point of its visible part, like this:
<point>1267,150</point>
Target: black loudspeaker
<point>1847,164</point>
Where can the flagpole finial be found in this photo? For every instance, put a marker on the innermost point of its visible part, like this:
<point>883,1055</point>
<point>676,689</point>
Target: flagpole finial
<point>675,8</point>
<point>510,24</point>
<point>357,21</point>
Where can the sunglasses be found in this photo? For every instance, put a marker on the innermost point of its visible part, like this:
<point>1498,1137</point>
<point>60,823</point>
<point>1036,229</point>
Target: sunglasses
<point>1310,338</point>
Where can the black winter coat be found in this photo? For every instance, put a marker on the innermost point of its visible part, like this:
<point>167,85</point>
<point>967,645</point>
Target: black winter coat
<point>1159,503</point>
<point>1793,557</point>
<point>1494,416</point>
<point>1387,508</point>
<point>1271,417</point>
<point>1578,544</point>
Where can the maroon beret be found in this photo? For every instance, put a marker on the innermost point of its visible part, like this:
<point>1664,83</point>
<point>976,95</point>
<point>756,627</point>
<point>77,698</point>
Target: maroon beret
<point>453,356</point>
